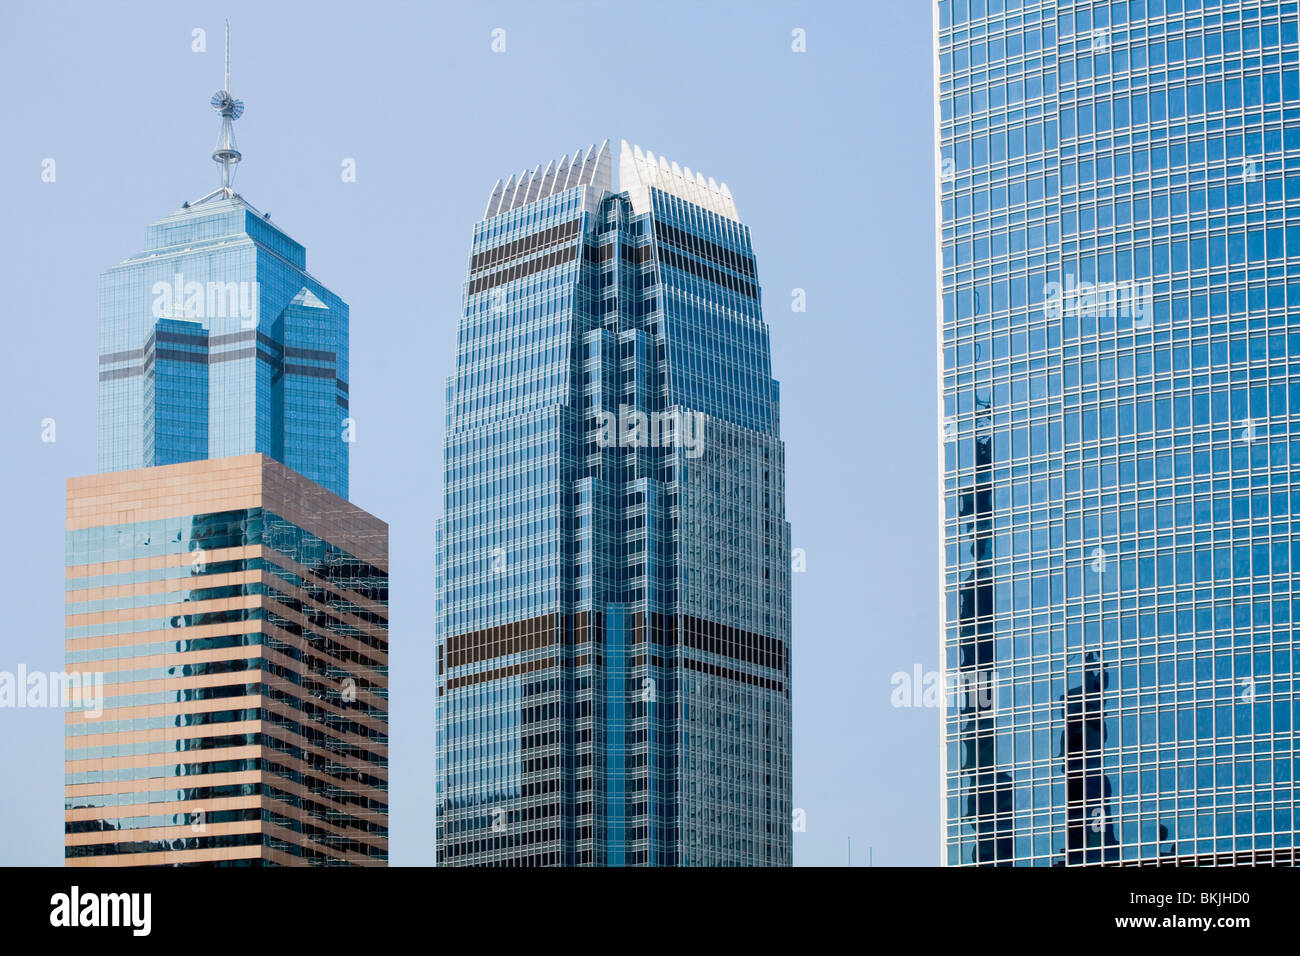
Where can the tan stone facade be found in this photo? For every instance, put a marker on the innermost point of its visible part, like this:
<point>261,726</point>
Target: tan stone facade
<point>236,614</point>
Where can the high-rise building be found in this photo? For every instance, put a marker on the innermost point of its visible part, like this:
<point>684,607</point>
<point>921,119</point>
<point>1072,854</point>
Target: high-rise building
<point>234,615</point>
<point>613,576</point>
<point>1118,364</point>
<point>226,600</point>
<point>215,341</point>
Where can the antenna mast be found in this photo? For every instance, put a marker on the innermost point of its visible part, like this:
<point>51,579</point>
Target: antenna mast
<point>224,102</point>
<point>226,155</point>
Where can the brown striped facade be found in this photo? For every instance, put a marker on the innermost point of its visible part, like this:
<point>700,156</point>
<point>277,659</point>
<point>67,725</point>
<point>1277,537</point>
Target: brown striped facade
<point>667,631</point>
<point>244,713</point>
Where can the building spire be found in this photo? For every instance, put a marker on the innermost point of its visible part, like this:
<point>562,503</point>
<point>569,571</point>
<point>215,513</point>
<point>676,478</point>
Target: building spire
<point>230,109</point>
<point>226,155</point>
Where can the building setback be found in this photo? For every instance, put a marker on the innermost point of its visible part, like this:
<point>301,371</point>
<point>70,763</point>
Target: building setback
<point>613,567</point>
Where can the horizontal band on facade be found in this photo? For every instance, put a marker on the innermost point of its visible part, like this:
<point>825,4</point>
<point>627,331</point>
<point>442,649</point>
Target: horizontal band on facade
<point>729,673</point>
<point>545,631</point>
<point>529,244</point>
<point>500,640</point>
<point>277,720</point>
<point>316,760</point>
<point>74,791</point>
<point>708,273</point>
<point>197,857</point>
<point>370,641</point>
<point>130,844</point>
<point>524,268</point>
<point>215,559</point>
<point>109,831</point>
<point>137,649</point>
<point>159,562</point>
<point>633,255</point>
<point>496,673</point>
<point>215,358</point>
<point>704,248</point>
<point>362,792</point>
<point>194,340</point>
<point>222,666</point>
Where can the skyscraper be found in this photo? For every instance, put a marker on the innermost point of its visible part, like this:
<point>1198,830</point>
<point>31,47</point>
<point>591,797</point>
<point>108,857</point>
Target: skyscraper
<point>235,616</point>
<point>1117,355</point>
<point>215,341</point>
<point>613,577</point>
<point>225,598</point>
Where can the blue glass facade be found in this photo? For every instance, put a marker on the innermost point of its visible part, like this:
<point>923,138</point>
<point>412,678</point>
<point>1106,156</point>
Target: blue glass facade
<point>613,559</point>
<point>1118,363</point>
<point>214,342</point>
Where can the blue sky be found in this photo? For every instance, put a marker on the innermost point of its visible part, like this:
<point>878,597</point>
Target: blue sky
<point>828,153</point>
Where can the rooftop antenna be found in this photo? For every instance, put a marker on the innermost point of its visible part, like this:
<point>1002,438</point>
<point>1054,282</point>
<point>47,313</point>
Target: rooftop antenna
<point>226,154</point>
<point>230,109</point>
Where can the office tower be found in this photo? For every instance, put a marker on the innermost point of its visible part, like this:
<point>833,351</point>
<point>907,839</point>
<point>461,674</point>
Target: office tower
<point>613,574</point>
<point>222,594</point>
<point>1118,471</point>
<point>236,616</point>
<point>215,341</point>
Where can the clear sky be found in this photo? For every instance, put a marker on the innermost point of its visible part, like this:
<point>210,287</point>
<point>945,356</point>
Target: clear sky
<point>828,152</point>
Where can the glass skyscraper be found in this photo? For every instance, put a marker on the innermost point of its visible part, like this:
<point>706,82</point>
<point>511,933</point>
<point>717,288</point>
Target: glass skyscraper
<point>226,602</point>
<point>1121,497</point>
<point>613,658</point>
<point>215,341</point>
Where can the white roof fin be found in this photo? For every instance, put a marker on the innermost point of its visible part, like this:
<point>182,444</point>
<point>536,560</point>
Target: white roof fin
<point>590,168</point>
<point>639,171</point>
